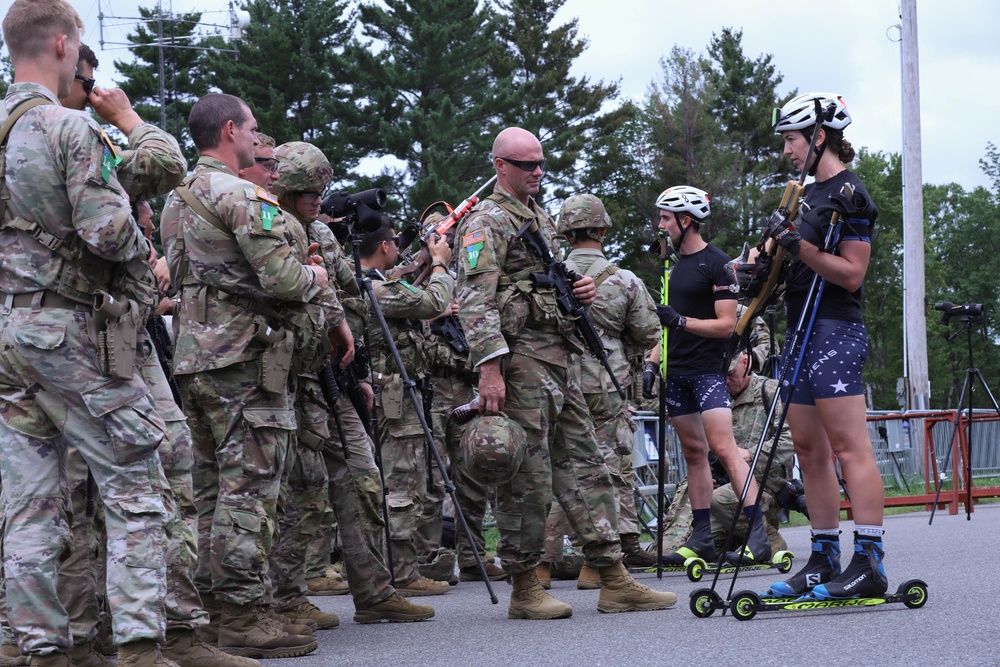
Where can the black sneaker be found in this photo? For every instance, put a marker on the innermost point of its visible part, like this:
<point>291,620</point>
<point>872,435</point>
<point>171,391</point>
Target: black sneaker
<point>699,545</point>
<point>757,549</point>
<point>822,566</point>
<point>864,577</point>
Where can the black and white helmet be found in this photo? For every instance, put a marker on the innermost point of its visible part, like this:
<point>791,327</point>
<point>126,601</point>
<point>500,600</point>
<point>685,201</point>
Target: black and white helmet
<point>685,199</point>
<point>800,112</point>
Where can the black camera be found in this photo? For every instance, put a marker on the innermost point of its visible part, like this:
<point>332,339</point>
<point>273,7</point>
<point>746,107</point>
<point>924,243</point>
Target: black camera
<point>950,310</point>
<point>359,209</point>
<point>793,497</point>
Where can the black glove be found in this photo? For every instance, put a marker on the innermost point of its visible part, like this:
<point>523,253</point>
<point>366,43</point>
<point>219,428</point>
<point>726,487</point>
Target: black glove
<point>670,318</point>
<point>649,372</point>
<point>783,231</point>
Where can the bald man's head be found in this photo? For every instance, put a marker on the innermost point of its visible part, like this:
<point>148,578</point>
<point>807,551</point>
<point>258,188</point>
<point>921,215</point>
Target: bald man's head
<point>519,161</point>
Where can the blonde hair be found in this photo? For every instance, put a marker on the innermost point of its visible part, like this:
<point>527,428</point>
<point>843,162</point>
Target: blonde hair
<point>265,141</point>
<point>30,24</point>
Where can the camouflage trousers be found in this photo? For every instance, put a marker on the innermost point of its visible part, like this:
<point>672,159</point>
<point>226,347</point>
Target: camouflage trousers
<point>52,393</point>
<point>241,436</point>
<point>563,462</point>
<point>679,521</point>
<point>449,393</point>
<point>724,503</point>
<point>367,481</point>
<point>404,457</point>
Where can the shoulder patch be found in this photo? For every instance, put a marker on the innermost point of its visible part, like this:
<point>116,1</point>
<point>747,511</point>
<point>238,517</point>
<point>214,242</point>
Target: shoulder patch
<point>110,145</point>
<point>472,239</point>
<point>264,195</point>
<point>409,287</point>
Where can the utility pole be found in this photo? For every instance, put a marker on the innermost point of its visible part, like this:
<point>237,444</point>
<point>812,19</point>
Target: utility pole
<point>914,316</point>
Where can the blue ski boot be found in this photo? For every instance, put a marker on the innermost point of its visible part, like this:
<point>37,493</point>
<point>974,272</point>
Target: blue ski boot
<point>864,577</point>
<point>822,566</point>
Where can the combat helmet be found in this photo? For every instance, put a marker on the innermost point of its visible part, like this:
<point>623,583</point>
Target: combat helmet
<point>493,447</point>
<point>301,168</point>
<point>583,212</point>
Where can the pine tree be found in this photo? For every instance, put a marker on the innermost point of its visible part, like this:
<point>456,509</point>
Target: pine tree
<point>184,75</point>
<point>6,70</point>
<point>290,72</point>
<point>564,112</point>
<point>424,95</point>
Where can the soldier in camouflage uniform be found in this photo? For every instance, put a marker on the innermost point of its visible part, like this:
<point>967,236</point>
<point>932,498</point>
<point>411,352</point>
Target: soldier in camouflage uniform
<point>625,315</point>
<point>403,444</point>
<point>60,380</point>
<point>523,347</point>
<point>752,395</point>
<point>304,173</point>
<point>249,296</point>
<point>453,381</point>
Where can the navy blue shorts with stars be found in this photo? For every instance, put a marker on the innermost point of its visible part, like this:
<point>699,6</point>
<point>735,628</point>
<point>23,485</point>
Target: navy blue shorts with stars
<point>836,352</point>
<point>688,394</point>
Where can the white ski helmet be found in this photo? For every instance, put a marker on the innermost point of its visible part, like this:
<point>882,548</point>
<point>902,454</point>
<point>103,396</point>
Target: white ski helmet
<point>800,112</point>
<point>685,199</point>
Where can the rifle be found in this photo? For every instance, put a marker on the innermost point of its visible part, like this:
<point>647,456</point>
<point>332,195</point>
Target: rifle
<point>331,394</point>
<point>440,228</point>
<point>451,328</point>
<point>768,267</point>
<point>561,279</point>
<point>349,382</point>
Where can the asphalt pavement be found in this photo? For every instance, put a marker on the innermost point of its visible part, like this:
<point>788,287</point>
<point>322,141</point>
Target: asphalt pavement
<point>958,559</point>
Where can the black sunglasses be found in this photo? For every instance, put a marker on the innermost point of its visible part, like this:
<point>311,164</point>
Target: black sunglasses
<point>269,163</point>
<point>88,83</point>
<point>526,165</point>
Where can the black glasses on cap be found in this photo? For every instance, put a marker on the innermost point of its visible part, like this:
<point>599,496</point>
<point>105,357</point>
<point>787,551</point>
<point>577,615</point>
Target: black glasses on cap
<point>526,165</point>
<point>88,83</point>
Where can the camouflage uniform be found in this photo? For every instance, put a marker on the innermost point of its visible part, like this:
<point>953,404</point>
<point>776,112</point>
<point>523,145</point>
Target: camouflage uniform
<point>403,445</point>
<point>506,317</point>
<point>750,410</point>
<point>245,277</point>
<point>454,382</point>
<point>625,315</point>
<point>54,389</point>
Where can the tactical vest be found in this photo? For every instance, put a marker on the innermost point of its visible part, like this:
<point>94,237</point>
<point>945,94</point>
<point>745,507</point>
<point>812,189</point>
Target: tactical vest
<point>83,273</point>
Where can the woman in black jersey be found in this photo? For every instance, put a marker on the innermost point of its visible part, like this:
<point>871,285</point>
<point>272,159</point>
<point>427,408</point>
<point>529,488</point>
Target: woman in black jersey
<point>827,413</point>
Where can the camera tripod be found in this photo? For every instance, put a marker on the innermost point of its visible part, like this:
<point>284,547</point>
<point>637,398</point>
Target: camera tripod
<point>971,373</point>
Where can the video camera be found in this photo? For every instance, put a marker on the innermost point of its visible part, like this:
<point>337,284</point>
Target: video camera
<point>359,209</point>
<point>950,310</point>
<point>793,497</point>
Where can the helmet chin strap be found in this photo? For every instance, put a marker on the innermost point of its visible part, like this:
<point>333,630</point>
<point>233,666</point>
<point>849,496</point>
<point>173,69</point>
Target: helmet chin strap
<point>684,231</point>
<point>815,162</point>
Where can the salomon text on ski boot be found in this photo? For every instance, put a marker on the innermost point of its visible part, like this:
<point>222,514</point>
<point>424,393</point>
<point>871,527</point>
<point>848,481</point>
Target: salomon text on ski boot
<point>823,565</point>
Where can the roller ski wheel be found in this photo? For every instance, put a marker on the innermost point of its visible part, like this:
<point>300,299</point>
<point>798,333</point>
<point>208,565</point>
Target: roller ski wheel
<point>704,602</point>
<point>783,561</point>
<point>695,568</point>
<point>746,604</point>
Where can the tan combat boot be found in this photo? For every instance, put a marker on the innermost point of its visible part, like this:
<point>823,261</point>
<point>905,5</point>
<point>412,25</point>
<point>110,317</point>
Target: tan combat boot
<point>307,611</point>
<point>248,630</point>
<point>84,655</point>
<point>293,626</point>
<point>184,648</point>
<point>471,572</point>
<point>327,585</point>
<point>10,656</point>
<point>635,555</point>
<point>394,609</point>
<point>423,586</point>
<point>620,592</point>
<point>142,653</point>
<point>529,600</point>
<point>544,573</point>
<point>51,660</point>
<point>589,579</point>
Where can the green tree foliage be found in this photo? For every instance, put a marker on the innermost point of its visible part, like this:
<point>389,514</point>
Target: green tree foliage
<point>565,112</point>
<point>291,72</point>
<point>6,70</point>
<point>423,93</point>
<point>745,93</point>
<point>184,73</point>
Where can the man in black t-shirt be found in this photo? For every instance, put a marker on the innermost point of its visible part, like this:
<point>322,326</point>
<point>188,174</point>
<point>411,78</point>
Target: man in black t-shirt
<point>700,316</point>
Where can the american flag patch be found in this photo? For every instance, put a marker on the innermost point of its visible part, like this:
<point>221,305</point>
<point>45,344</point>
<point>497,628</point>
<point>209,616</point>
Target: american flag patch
<point>473,238</point>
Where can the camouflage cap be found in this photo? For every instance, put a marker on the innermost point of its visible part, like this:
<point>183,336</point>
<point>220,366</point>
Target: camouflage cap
<point>493,447</point>
<point>583,212</point>
<point>301,168</point>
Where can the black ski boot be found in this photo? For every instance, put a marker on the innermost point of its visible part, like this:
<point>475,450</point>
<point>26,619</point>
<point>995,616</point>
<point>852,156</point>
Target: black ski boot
<point>822,566</point>
<point>864,577</point>
<point>699,545</point>
<point>757,549</point>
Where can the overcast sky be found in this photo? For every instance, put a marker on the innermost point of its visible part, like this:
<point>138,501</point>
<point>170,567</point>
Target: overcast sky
<point>842,47</point>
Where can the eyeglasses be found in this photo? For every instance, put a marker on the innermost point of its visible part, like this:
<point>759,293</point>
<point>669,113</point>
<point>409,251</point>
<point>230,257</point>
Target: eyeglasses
<point>310,197</point>
<point>394,239</point>
<point>88,83</point>
<point>526,165</point>
<point>269,163</point>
